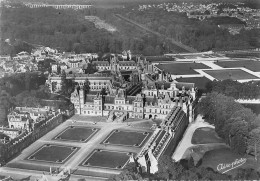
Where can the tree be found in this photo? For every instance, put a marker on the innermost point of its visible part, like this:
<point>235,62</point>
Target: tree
<point>167,169</point>
<point>129,172</point>
<point>253,145</point>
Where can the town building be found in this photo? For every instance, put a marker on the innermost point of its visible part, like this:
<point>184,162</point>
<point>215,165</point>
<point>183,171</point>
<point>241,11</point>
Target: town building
<point>23,118</point>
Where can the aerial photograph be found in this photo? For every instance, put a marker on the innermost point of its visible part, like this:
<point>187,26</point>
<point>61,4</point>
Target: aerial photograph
<point>118,90</point>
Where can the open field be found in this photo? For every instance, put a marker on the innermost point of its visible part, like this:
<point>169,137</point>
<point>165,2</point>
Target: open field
<point>126,138</point>
<point>53,153</point>
<point>249,64</point>
<point>107,159</point>
<point>182,68</point>
<point>72,133</point>
<point>205,135</point>
<point>234,74</point>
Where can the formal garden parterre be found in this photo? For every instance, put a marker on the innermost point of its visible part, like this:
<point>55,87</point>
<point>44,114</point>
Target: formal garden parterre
<point>107,159</point>
<point>53,153</point>
<point>234,74</point>
<point>181,68</point>
<point>127,138</point>
<point>249,64</point>
<point>77,134</point>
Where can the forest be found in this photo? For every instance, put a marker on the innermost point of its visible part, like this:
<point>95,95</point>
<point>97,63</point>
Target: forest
<point>67,30</point>
<point>201,35</point>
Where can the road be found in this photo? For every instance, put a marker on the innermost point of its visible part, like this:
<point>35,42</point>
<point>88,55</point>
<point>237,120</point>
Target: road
<point>185,143</point>
<point>183,47</point>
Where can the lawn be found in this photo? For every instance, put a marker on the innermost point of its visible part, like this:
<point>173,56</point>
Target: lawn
<point>216,157</point>
<point>249,64</point>
<point>182,68</point>
<point>127,138</point>
<point>53,153</point>
<point>234,74</point>
<point>200,82</point>
<point>205,135</point>
<point>75,133</point>
<point>107,159</point>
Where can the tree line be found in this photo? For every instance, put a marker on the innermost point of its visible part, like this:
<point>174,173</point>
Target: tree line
<point>237,125</point>
<point>235,89</point>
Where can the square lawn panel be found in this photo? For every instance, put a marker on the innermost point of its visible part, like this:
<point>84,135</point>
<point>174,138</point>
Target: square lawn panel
<point>200,82</point>
<point>53,153</point>
<point>182,68</point>
<point>249,64</point>
<point>127,138</point>
<point>234,74</point>
<point>107,159</point>
<point>72,133</point>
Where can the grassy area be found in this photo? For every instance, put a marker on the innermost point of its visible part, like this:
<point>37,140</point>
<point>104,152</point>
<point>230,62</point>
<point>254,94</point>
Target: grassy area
<point>127,138</point>
<point>225,156</point>
<point>53,153</point>
<point>72,133</point>
<point>200,82</point>
<point>234,74</point>
<point>107,159</point>
<point>251,65</point>
<point>205,135</point>
<point>182,68</point>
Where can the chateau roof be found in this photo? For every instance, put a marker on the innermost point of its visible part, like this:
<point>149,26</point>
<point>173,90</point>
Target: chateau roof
<point>125,63</point>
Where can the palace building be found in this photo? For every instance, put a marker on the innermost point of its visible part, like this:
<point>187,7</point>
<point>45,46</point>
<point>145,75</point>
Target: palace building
<point>153,103</point>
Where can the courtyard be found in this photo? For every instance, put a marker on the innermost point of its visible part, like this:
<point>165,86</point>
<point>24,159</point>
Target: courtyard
<point>80,145</point>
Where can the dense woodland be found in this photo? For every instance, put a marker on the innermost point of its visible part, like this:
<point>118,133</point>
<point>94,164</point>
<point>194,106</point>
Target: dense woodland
<point>201,35</point>
<point>67,30</point>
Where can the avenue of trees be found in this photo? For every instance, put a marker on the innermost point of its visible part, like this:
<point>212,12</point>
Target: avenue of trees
<point>182,170</point>
<point>237,125</point>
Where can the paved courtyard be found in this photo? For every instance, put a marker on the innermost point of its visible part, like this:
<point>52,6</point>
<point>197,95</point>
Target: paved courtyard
<point>73,146</point>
